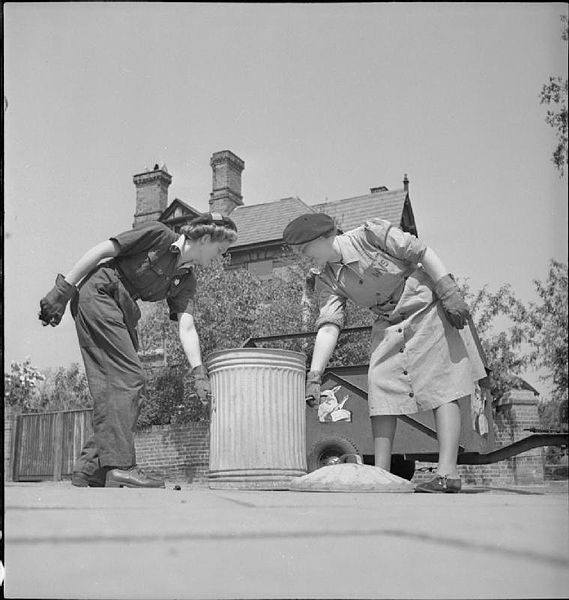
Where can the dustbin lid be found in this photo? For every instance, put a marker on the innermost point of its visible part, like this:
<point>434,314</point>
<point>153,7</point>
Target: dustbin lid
<point>349,477</point>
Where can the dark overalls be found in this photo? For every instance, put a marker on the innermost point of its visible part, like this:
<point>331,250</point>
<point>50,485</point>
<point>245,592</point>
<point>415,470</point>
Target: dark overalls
<point>106,315</point>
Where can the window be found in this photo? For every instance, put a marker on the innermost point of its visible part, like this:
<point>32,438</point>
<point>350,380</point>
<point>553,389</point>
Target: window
<point>262,269</point>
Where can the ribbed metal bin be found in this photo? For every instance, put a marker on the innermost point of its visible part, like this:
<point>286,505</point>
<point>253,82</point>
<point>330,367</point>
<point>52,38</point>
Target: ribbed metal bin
<point>258,421</point>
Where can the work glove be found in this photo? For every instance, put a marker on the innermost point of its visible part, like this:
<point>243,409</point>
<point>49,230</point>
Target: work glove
<point>452,301</point>
<point>201,384</point>
<point>52,306</point>
<point>312,395</point>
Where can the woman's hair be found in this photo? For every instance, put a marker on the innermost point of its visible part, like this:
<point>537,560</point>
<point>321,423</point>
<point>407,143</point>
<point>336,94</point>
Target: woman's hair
<point>218,227</point>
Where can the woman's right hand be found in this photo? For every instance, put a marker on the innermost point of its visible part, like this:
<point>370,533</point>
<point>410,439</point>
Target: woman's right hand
<point>202,384</point>
<point>52,306</point>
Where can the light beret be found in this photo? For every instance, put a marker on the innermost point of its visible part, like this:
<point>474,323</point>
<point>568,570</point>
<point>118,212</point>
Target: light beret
<point>307,228</point>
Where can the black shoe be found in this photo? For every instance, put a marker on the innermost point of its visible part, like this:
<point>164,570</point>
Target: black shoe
<point>80,479</point>
<point>441,484</point>
<point>134,477</point>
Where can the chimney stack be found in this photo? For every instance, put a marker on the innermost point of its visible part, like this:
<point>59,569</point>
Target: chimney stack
<point>151,194</point>
<point>226,186</point>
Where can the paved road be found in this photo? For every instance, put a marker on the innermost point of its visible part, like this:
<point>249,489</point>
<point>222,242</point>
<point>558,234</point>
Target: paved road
<point>64,542</point>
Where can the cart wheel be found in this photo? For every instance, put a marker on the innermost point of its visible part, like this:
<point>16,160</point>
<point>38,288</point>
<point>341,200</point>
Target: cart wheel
<point>402,467</point>
<point>328,451</point>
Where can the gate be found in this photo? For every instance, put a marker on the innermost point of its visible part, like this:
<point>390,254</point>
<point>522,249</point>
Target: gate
<point>47,444</point>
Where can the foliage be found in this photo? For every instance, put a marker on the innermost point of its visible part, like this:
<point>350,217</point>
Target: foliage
<point>547,325</point>
<point>168,399</point>
<point>65,388</point>
<point>21,385</point>
<point>555,93</point>
<point>503,343</point>
<point>537,338</point>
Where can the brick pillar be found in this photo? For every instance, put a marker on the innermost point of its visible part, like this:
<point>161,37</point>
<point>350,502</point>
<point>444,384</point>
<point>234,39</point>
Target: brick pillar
<point>151,194</point>
<point>517,411</point>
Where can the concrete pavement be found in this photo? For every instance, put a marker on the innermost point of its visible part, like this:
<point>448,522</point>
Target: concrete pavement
<point>65,542</point>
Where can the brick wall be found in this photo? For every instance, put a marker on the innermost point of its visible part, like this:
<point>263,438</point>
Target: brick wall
<point>181,452</point>
<point>176,452</point>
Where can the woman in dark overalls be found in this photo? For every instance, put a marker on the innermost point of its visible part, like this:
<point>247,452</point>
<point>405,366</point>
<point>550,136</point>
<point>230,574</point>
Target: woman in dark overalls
<point>422,355</point>
<point>149,263</point>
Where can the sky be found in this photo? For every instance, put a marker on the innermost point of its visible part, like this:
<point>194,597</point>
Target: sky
<point>321,101</point>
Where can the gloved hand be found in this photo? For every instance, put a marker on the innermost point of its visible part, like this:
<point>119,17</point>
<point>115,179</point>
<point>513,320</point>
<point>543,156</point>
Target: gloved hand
<point>52,306</point>
<point>201,384</point>
<point>452,301</point>
<point>312,395</point>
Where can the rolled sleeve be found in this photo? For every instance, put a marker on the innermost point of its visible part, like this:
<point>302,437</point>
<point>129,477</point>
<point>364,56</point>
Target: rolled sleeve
<point>332,307</point>
<point>152,234</point>
<point>184,299</point>
<point>396,242</point>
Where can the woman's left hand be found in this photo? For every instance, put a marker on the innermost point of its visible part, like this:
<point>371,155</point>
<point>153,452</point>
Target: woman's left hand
<point>456,309</point>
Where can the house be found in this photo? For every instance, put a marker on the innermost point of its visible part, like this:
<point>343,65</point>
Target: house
<point>260,245</point>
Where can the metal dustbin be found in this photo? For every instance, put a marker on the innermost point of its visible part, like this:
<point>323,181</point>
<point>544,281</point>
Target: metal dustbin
<point>258,420</point>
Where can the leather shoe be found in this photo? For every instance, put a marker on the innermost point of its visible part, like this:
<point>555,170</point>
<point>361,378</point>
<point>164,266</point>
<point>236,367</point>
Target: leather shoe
<point>134,477</point>
<point>80,479</point>
<point>441,484</point>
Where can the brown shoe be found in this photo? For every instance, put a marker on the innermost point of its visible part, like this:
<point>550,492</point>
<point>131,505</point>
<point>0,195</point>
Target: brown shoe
<point>441,484</point>
<point>134,477</point>
<point>80,479</point>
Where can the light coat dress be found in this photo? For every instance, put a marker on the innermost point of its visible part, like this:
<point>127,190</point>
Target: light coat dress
<point>418,359</point>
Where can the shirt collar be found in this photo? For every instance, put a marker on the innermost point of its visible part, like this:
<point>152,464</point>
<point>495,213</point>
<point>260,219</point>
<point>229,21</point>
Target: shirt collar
<point>176,247</point>
<point>178,244</point>
<point>347,249</point>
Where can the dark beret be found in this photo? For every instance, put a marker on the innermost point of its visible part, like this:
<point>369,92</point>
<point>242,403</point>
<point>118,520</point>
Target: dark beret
<point>307,228</point>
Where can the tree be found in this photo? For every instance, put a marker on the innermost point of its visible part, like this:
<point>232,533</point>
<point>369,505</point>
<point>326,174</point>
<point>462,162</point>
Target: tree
<point>504,343</point>
<point>21,385</point>
<point>555,93</point>
<point>546,327</point>
<point>65,388</point>
<point>537,337</point>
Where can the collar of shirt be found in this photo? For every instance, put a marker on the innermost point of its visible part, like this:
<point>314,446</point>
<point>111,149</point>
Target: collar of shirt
<point>176,247</point>
<point>347,250</point>
<point>349,255</point>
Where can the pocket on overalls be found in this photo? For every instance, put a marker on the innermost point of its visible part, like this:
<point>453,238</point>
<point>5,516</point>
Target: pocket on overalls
<point>129,308</point>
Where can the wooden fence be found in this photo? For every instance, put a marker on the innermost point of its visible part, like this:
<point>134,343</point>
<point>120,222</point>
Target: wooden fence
<point>47,444</point>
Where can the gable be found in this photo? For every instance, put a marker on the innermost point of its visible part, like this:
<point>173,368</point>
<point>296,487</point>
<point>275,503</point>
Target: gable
<point>178,210</point>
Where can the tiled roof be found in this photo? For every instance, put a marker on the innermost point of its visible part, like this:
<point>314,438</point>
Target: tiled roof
<point>352,212</point>
<point>260,223</point>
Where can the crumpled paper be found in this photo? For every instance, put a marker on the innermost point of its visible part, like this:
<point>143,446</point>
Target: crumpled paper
<point>477,408</point>
<point>330,410</point>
